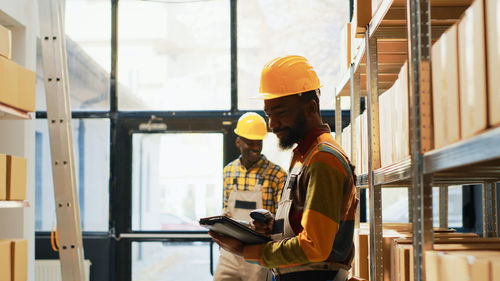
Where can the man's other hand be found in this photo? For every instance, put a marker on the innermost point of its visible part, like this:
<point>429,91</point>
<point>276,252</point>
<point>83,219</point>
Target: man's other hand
<point>227,243</point>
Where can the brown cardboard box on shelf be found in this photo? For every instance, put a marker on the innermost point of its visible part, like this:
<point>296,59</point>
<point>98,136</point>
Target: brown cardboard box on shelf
<point>472,71</point>
<point>3,176</point>
<point>5,261</point>
<point>493,57</point>
<point>8,82</point>
<point>26,89</point>
<point>460,265</point>
<point>19,259</point>
<point>361,267</point>
<point>445,89</point>
<point>362,17</point>
<point>16,178</point>
<point>5,42</point>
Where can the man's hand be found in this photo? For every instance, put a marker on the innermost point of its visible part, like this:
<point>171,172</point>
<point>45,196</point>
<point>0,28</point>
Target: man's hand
<point>263,221</point>
<point>227,243</point>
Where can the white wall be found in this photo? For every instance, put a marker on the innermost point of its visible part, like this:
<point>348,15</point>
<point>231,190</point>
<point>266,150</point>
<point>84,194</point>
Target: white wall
<point>18,137</point>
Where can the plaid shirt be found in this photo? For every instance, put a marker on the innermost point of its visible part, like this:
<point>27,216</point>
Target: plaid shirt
<point>238,177</point>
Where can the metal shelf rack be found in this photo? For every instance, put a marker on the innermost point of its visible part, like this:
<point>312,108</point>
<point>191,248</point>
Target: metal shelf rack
<point>10,113</point>
<point>400,31</point>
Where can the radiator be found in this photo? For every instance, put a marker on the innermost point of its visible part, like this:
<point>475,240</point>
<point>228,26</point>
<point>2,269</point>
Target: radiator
<point>50,270</point>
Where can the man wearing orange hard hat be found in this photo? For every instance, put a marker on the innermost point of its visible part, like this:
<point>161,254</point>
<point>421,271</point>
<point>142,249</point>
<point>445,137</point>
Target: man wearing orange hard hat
<point>314,225</point>
<point>250,182</point>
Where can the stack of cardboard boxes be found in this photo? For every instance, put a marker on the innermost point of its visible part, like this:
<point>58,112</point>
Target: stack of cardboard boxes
<point>17,90</point>
<point>466,88</point>
<point>17,84</point>
<point>398,252</point>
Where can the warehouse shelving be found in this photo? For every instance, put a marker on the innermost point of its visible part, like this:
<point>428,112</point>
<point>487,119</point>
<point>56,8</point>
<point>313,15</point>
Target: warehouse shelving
<point>14,204</point>
<point>389,41</point>
<point>10,113</point>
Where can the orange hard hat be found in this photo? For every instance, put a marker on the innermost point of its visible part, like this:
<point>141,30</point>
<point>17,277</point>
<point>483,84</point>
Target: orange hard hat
<point>285,76</point>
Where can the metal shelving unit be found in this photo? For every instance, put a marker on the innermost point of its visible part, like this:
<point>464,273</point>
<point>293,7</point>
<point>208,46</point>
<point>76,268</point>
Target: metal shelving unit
<point>10,113</point>
<point>390,40</point>
<point>14,204</point>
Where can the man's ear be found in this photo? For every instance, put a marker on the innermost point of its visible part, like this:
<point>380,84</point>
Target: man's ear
<point>312,107</point>
<point>237,142</point>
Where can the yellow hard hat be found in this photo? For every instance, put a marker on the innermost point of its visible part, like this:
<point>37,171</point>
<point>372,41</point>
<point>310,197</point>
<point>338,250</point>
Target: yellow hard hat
<point>251,126</point>
<point>285,76</point>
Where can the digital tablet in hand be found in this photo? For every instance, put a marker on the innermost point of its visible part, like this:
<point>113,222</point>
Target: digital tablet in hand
<point>232,228</point>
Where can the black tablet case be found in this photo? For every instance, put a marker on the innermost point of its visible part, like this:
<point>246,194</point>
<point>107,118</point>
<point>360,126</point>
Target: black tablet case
<point>232,228</point>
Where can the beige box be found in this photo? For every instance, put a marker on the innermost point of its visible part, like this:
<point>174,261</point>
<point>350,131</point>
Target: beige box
<point>445,89</point>
<point>386,106</point>
<point>8,82</point>
<point>5,42</point>
<point>400,117</point>
<point>19,259</point>
<point>472,71</point>
<point>5,261</point>
<point>346,140</point>
<point>3,177</point>
<point>26,89</point>
<point>16,178</point>
<point>493,57</point>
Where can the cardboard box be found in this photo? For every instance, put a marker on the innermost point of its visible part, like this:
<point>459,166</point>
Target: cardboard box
<point>346,140</point>
<point>493,46</point>
<point>19,259</point>
<point>3,177</point>
<point>460,265</point>
<point>363,15</point>
<point>8,82</point>
<point>472,71</point>
<point>16,178</point>
<point>26,89</point>
<point>400,117</point>
<point>5,42</point>
<point>386,106</point>
<point>5,261</point>
<point>445,89</point>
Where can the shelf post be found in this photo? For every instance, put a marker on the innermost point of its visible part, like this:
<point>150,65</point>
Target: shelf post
<point>376,242</point>
<point>420,110</point>
<point>489,210</point>
<point>443,206</point>
<point>338,120</point>
<point>53,42</point>
<point>355,80</point>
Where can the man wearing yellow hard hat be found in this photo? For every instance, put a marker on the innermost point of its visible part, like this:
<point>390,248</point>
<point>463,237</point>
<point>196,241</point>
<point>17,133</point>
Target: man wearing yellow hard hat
<point>314,225</point>
<point>250,182</point>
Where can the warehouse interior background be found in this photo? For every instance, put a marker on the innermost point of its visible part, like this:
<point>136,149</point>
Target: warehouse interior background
<point>192,65</point>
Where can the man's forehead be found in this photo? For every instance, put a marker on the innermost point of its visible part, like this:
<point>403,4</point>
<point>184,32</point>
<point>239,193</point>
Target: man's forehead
<point>280,103</point>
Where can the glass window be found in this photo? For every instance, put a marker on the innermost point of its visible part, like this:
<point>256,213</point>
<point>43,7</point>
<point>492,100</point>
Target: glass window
<point>91,146</point>
<point>269,29</point>
<point>177,178</point>
<point>174,56</point>
<point>172,261</point>
<point>274,153</point>
<point>88,45</point>
<point>395,205</point>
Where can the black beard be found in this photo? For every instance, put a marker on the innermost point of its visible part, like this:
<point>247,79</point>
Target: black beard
<point>297,132</point>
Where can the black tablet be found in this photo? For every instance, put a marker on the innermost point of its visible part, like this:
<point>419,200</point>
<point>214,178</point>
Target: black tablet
<point>232,228</point>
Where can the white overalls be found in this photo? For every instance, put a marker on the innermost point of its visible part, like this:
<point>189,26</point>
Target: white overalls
<point>283,228</point>
<point>232,267</point>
